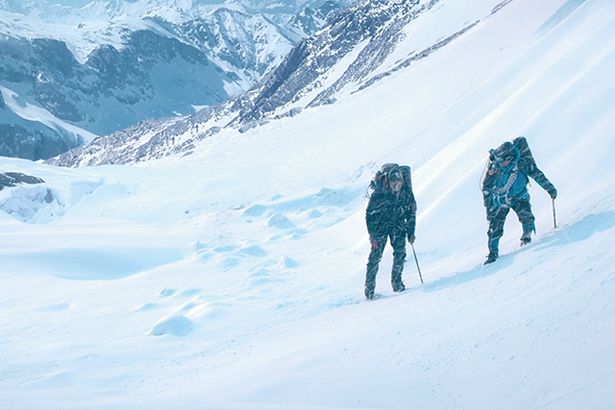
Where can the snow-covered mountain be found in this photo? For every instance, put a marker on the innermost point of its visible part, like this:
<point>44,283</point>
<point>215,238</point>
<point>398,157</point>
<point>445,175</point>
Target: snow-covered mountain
<point>362,45</point>
<point>104,66</point>
<point>232,278</point>
<point>221,28</point>
<point>22,134</point>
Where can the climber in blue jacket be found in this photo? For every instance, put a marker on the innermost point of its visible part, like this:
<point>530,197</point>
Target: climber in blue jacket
<point>505,187</point>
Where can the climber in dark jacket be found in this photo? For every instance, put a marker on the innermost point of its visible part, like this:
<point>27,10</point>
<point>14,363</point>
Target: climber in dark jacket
<point>505,187</point>
<point>391,214</point>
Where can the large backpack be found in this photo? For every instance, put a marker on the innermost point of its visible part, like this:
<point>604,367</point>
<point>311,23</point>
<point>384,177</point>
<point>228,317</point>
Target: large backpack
<point>526,159</point>
<point>524,149</point>
<point>380,181</point>
<point>521,144</point>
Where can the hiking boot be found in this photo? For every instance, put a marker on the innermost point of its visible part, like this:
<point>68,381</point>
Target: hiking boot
<point>369,293</point>
<point>493,255</point>
<point>398,287</point>
<point>528,229</point>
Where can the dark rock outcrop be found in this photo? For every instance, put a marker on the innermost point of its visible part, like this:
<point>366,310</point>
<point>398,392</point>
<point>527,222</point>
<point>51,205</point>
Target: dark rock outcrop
<point>9,179</point>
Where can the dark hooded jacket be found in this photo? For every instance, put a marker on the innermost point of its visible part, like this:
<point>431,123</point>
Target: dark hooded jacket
<point>388,212</point>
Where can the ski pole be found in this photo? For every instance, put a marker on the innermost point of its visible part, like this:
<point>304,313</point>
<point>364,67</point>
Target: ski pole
<point>417,263</point>
<point>554,220</point>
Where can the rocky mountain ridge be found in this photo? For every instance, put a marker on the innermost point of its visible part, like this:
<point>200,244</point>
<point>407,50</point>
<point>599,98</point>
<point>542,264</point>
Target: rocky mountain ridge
<point>361,45</point>
<point>108,65</point>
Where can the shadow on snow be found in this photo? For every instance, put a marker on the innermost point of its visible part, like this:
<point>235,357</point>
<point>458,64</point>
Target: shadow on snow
<point>578,231</point>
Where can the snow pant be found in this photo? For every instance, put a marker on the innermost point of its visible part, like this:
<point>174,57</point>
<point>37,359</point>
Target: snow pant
<point>398,241</point>
<point>522,208</point>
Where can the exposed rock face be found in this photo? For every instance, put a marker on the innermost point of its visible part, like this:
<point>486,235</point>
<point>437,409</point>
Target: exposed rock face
<point>165,63</point>
<point>10,179</point>
<point>346,56</point>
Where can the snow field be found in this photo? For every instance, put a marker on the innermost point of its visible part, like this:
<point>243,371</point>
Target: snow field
<point>232,278</point>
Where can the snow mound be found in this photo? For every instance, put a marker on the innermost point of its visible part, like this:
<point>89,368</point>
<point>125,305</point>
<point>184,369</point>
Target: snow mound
<point>174,325</point>
<point>32,204</point>
<point>42,203</point>
<point>280,221</point>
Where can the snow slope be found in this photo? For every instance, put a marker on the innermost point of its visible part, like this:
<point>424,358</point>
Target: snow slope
<point>39,114</point>
<point>232,278</point>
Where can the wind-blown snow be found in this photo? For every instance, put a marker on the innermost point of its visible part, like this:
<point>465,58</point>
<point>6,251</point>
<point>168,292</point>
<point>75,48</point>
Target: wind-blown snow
<point>232,278</point>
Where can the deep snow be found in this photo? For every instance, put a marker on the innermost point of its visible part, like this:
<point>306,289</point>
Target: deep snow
<point>232,278</point>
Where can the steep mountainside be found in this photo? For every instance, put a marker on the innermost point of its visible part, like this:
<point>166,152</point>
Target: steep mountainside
<point>361,45</point>
<point>108,65</point>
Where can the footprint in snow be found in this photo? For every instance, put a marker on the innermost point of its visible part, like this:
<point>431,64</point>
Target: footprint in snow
<point>255,210</point>
<point>253,250</point>
<point>314,213</point>
<point>229,263</point>
<point>225,248</point>
<point>287,262</point>
<point>167,292</point>
<point>190,292</point>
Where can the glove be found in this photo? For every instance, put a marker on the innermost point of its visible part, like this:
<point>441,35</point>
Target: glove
<point>552,192</point>
<point>375,244</point>
<point>411,238</point>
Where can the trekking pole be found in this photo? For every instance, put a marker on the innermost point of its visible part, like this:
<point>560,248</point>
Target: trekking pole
<point>417,263</point>
<point>554,220</point>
